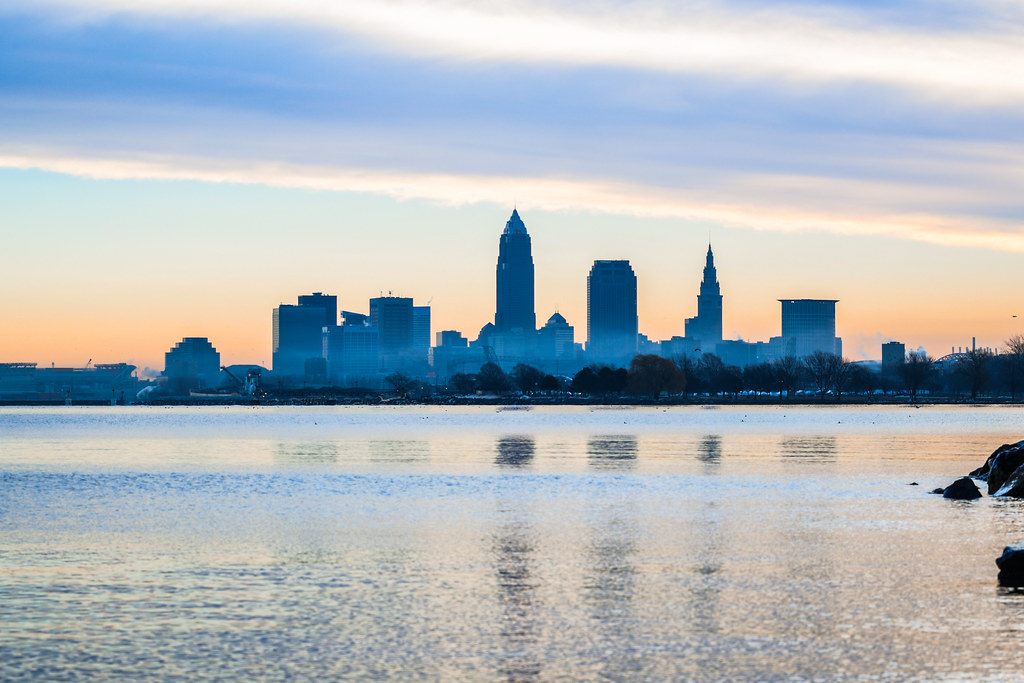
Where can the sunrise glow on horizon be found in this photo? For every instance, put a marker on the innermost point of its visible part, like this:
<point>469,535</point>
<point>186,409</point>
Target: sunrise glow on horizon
<point>180,169</point>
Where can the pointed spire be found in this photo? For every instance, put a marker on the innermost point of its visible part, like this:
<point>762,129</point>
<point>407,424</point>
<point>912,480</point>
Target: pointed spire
<point>515,224</point>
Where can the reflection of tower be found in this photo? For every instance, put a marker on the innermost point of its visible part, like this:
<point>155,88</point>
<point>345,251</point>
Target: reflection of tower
<point>707,326</point>
<point>612,452</point>
<point>809,449</point>
<point>514,309</point>
<point>710,453</point>
<point>514,451</point>
<point>513,546</point>
<point>305,453</point>
<point>611,578</point>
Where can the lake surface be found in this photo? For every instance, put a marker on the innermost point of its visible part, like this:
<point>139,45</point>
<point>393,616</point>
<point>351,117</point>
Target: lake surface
<point>491,544</point>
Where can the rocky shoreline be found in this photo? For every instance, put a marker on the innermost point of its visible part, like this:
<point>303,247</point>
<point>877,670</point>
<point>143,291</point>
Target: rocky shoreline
<point>1003,475</point>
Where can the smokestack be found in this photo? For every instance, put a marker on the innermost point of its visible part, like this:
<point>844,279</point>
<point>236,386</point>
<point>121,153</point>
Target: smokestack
<point>973,342</point>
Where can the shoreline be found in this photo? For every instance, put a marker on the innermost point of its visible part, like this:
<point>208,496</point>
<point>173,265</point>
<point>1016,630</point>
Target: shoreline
<point>523,401</point>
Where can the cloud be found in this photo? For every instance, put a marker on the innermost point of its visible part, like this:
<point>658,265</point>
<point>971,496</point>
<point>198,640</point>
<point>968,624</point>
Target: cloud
<point>742,209</point>
<point>961,67</point>
<point>614,109</point>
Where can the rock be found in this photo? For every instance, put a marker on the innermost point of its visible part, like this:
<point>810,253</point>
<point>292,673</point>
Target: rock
<point>1013,487</point>
<point>982,472</point>
<point>1000,465</point>
<point>938,491</point>
<point>1011,566</point>
<point>913,483</point>
<point>963,488</point>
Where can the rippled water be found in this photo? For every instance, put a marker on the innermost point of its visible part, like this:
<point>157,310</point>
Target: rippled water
<point>480,543</point>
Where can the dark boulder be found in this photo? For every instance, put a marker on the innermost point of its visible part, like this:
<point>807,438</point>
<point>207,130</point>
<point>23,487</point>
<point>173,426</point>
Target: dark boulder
<point>1013,487</point>
<point>963,488</point>
<point>1000,465</point>
<point>938,491</point>
<point>1011,566</point>
<point>982,472</point>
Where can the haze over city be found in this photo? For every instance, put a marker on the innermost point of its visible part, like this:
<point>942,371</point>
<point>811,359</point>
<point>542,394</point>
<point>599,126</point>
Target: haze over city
<point>180,169</point>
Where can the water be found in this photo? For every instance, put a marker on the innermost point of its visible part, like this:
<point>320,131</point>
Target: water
<point>481,543</point>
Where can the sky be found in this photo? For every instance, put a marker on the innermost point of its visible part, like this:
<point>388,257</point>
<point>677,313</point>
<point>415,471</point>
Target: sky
<point>174,168</point>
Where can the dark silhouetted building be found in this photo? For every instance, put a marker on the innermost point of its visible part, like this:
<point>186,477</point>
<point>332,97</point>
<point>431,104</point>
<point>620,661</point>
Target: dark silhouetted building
<point>452,355</point>
<point>192,364</point>
<point>421,329</point>
<point>706,327</point>
<point>514,309</point>
<point>328,302</point>
<point>395,318</point>
<point>611,312</point>
<point>114,382</point>
<point>557,339</point>
<point>451,339</point>
<point>894,354</point>
<point>298,337</point>
<point>352,352</point>
<point>808,325</point>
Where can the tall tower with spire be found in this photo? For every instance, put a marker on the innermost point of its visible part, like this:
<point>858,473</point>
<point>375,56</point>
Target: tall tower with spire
<point>707,326</point>
<point>514,309</point>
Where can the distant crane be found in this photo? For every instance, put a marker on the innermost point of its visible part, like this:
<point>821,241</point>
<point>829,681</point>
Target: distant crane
<point>251,385</point>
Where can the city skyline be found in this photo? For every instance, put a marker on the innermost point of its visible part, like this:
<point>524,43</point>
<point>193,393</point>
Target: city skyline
<point>172,170</point>
<point>704,288</point>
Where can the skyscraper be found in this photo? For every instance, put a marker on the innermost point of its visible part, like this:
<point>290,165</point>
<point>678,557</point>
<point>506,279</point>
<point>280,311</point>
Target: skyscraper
<point>514,309</point>
<point>421,329</point>
<point>611,312</point>
<point>808,325</point>
<point>706,327</point>
<point>192,363</point>
<point>328,302</point>
<point>352,351</point>
<point>392,316</point>
<point>298,334</point>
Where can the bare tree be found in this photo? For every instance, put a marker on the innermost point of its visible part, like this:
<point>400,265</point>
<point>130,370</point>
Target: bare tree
<point>687,366</point>
<point>464,383</point>
<point>1014,363</point>
<point>843,373</point>
<point>758,377</point>
<point>916,370</point>
<point>821,366</point>
<point>650,373</point>
<point>526,377</point>
<point>400,382</point>
<point>492,378</point>
<point>863,381</point>
<point>550,383</point>
<point>710,370</point>
<point>786,371</point>
<point>829,371</point>
<point>974,366</point>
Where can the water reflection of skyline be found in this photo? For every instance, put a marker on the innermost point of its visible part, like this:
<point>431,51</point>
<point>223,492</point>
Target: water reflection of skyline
<point>305,452</point>
<point>710,453</point>
<point>612,453</point>
<point>399,451</point>
<point>514,452</point>
<point>609,585</point>
<point>512,546</point>
<point>809,448</point>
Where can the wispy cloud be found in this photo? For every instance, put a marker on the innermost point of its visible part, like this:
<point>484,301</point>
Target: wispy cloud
<point>611,108</point>
<point>963,67</point>
<point>737,204</point>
